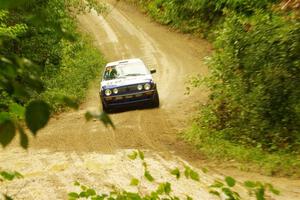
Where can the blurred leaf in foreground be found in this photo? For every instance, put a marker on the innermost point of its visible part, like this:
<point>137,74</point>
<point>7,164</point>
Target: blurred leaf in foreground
<point>37,115</point>
<point>102,117</point>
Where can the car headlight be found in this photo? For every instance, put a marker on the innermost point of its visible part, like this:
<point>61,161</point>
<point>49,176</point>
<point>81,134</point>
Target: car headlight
<point>107,92</point>
<point>139,87</point>
<point>147,86</point>
<point>115,91</point>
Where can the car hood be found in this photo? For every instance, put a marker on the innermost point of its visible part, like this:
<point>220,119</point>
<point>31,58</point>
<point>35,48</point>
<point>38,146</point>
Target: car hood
<point>131,80</point>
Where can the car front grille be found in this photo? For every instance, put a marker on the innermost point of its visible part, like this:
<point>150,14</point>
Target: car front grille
<point>128,89</point>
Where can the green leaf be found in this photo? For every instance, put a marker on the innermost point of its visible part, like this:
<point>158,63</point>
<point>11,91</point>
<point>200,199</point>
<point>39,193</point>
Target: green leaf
<point>76,183</point>
<point>73,195</point>
<point>4,116</point>
<point>141,155</point>
<point>17,110</point>
<point>98,197</point>
<point>132,196</point>
<point>230,181</point>
<point>167,188</point>
<point>260,194</point>
<point>189,198</point>
<point>249,184</point>
<point>7,132</point>
<point>6,197</point>
<point>164,188</point>
<point>217,184</point>
<point>37,115</point>
<point>187,172</point>
<point>10,175</point>
<point>176,173</point>
<point>134,182</point>
<point>145,165</point>
<point>83,187</point>
<point>133,155</point>
<point>160,190</point>
<point>194,175</point>
<point>7,175</point>
<point>23,138</point>
<point>83,194</point>
<point>148,176</point>
<point>214,192</point>
<point>90,192</point>
<point>18,175</point>
<point>204,170</point>
<point>272,189</point>
<point>228,192</point>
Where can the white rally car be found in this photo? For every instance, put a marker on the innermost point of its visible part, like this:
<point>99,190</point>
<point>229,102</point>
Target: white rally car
<point>128,82</point>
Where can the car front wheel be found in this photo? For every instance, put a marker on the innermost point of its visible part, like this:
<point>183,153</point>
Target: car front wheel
<point>155,102</point>
<point>105,108</point>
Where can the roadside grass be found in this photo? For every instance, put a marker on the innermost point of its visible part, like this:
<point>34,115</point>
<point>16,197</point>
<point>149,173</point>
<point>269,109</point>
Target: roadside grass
<point>81,63</point>
<point>248,158</point>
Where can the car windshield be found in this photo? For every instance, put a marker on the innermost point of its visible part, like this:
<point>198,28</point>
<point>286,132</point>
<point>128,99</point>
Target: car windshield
<point>121,71</point>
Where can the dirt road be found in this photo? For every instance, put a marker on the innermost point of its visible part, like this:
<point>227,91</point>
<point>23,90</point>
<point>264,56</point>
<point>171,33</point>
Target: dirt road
<point>70,148</point>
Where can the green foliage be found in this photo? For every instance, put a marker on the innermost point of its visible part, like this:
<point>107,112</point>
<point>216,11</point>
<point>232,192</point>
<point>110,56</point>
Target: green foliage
<point>134,182</point>
<point>8,131</point>
<point>141,155</point>
<point>254,80</point>
<point>175,172</point>
<point>133,155</point>
<point>255,73</point>
<point>5,175</point>
<point>219,187</point>
<point>198,15</point>
<point>148,176</point>
<point>259,189</point>
<point>230,181</point>
<point>190,173</point>
<point>164,190</point>
<point>9,176</point>
<point>45,64</point>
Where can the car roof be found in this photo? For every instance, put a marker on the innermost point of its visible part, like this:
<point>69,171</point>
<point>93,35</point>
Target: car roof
<point>133,61</point>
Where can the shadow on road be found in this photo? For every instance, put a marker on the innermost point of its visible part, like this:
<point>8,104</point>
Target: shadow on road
<point>127,108</point>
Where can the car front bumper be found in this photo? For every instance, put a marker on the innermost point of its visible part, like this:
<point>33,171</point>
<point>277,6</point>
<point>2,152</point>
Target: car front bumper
<point>128,99</point>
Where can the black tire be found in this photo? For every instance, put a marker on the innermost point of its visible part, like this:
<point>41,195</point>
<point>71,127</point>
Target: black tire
<point>105,108</point>
<point>155,102</point>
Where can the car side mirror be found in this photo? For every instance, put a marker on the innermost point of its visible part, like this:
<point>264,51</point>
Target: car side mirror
<point>152,71</point>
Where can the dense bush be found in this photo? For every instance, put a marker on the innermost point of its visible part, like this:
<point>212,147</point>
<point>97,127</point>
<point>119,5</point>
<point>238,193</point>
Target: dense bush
<point>199,15</point>
<point>255,70</point>
<point>45,63</point>
<point>45,33</point>
<point>79,64</point>
<point>255,82</point>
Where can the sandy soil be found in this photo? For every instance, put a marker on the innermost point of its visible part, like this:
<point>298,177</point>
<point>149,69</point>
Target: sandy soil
<point>71,149</point>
